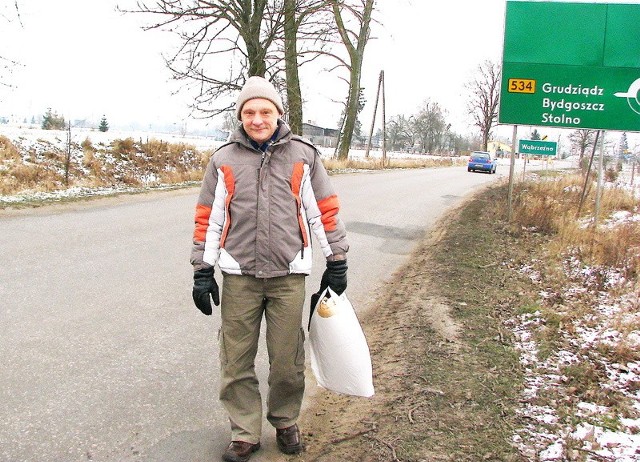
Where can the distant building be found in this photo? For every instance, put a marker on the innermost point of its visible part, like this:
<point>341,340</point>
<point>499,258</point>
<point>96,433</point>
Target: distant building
<point>322,137</point>
<point>499,148</point>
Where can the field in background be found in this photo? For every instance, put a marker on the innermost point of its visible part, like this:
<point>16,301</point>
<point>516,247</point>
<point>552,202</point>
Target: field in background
<point>41,165</point>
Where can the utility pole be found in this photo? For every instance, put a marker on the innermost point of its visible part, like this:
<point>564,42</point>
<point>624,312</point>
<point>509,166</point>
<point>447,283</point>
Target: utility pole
<point>384,122</point>
<point>373,119</point>
<point>596,214</point>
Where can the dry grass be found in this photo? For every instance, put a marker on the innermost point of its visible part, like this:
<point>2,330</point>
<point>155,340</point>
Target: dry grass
<point>41,166</point>
<point>596,258</point>
<point>8,150</point>
<point>130,162</point>
<point>550,206</point>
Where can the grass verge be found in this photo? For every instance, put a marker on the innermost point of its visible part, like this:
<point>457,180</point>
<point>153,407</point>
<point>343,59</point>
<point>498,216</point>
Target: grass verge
<point>442,394</point>
<point>466,396</point>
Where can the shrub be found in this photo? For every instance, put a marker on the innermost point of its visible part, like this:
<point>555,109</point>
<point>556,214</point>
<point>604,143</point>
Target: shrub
<point>8,150</point>
<point>611,175</point>
<point>123,148</point>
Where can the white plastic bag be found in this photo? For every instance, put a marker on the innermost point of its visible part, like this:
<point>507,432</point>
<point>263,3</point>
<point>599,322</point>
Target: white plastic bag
<point>340,358</point>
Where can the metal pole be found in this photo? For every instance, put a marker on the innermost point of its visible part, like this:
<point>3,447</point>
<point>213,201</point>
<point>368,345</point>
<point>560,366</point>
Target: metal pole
<point>384,123</point>
<point>68,159</point>
<point>511,170</point>
<point>600,181</point>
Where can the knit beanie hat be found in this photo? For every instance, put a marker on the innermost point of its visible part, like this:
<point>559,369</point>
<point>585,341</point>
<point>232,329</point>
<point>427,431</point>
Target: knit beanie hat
<point>258,87</point>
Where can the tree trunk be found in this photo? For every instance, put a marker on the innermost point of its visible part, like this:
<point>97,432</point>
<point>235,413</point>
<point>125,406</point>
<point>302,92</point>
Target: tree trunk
<point>294,98</point>
<point>255,50</point>
<point>356,54</point>
<point>351,114</point>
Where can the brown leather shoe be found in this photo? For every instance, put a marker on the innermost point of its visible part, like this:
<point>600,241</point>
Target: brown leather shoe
<point>240,451</point>
<point>289,441</point>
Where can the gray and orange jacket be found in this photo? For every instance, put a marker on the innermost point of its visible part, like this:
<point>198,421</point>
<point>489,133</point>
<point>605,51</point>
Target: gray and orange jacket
<point>255,210</point>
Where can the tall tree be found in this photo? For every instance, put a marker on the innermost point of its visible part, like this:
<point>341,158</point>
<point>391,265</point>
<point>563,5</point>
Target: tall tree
<point>221,44</point>
<point>581,140</point>
<point>430,127</point>
<point>294,98</point>
<point>399,133</point>
<point>354,38</point>
<point>307,30</point>
<point>224,42</point>
<point>484,96</point>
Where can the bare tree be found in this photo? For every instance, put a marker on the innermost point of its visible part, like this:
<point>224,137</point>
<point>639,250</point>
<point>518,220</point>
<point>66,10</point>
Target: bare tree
<point>307,30</point>
<point>399,133</point>
<point>353,21</point>
<point>224,42</point>
<point>8,14</point>
<point>430,127</point>
<point>581,140</point>
<point>483,101</point>
<point>221,44</point>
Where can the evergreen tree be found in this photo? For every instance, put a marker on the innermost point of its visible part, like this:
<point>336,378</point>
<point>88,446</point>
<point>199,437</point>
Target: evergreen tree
<point>624,145</point>
<point>52,121</point>
<point>104,125</point>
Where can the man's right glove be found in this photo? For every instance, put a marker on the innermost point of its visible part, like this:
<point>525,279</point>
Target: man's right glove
<point>335,276</point>
<point>204,285</point>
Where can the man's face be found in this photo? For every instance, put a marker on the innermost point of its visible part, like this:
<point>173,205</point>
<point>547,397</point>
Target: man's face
<point>259,118</point>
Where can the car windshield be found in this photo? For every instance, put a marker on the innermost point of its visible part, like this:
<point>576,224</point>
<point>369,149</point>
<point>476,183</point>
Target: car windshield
<point>480,155</point>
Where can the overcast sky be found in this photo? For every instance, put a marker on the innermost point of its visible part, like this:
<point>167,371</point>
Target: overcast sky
<point>84,59</point>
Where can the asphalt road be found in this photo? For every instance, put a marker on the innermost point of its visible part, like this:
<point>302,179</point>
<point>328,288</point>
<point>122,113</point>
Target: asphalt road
<point>103,355</point>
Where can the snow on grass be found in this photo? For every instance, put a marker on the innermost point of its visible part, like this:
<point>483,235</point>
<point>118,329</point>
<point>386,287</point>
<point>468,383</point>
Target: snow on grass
<point>77,192</point>
<point>595,414</point>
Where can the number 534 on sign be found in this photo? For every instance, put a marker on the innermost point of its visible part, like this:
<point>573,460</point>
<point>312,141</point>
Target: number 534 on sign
<point>522,86</point>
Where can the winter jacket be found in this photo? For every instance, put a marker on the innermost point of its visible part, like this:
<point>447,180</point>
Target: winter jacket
<point>256,209</point>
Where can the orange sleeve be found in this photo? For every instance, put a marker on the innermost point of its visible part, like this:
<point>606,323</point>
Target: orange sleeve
<point>329,207</point>
<point>202,222</point>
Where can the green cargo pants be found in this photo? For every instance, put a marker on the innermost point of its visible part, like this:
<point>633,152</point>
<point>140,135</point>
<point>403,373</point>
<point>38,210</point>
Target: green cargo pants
<point>244,301</point>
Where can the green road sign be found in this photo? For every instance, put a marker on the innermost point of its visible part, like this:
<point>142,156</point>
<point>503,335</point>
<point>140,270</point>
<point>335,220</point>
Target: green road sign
<point>538,147</point>
<point>573,65</point>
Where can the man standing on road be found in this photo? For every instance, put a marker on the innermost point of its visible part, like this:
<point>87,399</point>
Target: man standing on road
<point>262,194</point>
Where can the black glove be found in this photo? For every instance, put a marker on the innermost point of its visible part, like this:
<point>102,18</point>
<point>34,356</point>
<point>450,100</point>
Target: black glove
<point>204,285</point>
<point>335,276</point>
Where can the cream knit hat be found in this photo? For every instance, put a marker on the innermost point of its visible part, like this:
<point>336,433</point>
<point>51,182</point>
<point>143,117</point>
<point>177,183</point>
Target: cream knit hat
<point>258,87</point>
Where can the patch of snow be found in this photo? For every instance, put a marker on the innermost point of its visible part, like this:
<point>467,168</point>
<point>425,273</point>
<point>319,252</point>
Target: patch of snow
<point>595,431</point>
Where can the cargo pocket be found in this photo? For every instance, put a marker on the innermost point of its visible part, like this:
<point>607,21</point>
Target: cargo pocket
<point>300,352</point>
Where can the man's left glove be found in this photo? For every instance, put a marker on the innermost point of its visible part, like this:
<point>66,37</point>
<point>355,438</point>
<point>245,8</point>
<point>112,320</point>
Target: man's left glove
<point>335,276</point>
<point>204,285</point>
